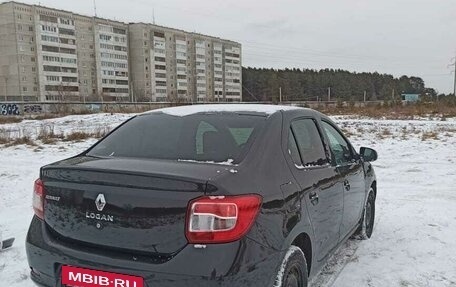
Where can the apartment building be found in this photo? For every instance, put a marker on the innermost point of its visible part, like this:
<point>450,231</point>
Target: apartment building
<point>54,55</point>
<point>111,46</point>
<point>173,65</point>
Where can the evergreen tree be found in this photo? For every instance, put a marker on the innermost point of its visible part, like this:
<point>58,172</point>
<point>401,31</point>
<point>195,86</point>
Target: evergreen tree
<point>307,84</point>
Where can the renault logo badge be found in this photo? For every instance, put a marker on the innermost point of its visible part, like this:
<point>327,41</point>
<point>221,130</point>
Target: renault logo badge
<point>100,202</point>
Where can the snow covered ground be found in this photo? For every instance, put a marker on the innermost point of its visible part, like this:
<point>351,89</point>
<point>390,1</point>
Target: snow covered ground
<point>414,238</point>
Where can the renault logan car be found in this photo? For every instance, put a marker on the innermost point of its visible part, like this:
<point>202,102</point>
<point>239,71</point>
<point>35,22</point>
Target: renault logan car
<point>205,195</point>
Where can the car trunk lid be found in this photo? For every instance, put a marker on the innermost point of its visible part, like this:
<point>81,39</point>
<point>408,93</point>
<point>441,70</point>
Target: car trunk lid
<point>124,204</point>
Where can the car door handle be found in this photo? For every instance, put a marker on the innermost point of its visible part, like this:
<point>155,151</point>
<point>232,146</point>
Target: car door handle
<point>347,185</point>
<point>313,196</point>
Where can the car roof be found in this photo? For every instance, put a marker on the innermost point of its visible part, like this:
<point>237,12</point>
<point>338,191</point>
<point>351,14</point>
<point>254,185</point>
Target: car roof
<point>208,108</point>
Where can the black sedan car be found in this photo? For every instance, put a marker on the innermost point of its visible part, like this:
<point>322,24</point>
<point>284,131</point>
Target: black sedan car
<point>205,195</point>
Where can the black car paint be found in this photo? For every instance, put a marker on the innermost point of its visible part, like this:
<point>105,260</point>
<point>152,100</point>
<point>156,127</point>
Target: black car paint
<point>287,214</point>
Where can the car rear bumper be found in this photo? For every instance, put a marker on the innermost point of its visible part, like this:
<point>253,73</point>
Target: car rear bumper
<point>241,263</point>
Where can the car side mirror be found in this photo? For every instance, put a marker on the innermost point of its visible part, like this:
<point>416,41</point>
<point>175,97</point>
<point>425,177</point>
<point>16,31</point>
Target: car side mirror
<point>368,154</point>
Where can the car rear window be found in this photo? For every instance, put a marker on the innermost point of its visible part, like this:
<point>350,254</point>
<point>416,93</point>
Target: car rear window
<point>215,137</point>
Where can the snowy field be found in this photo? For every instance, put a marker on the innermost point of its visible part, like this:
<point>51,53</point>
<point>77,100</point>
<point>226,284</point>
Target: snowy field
<point>414,241</point>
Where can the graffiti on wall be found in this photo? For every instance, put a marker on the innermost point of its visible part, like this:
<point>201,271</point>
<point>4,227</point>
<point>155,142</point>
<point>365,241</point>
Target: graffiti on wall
<point>93,107</point>
<point>9,110</point>
<point>33,109</point>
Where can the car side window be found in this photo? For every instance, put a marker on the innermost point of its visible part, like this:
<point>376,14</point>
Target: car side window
<point>309,142</point>
<point>339,146</point>
<point>293,149</point>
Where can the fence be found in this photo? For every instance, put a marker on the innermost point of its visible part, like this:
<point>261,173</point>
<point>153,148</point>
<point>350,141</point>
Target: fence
<point>39,108</point>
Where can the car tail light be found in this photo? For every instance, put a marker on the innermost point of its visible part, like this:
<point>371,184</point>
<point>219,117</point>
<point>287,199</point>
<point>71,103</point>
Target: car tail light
<point>38,198</point>
<point>221,219</point>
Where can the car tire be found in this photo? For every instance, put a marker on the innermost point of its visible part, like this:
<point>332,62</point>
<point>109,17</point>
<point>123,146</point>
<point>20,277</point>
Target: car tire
<point>293,270</point>
<point>366,226</point>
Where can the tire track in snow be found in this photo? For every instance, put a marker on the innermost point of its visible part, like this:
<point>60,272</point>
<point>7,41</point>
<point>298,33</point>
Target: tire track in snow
<point>336,264</point>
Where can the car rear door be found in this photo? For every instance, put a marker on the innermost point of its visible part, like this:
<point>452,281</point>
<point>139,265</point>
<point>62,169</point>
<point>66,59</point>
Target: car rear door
<point>349,165</point>
<point>320,188</point>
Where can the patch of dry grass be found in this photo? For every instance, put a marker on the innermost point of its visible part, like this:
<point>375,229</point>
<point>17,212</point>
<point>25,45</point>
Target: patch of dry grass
<point>386,132</point>
<point>77,136</point>
<point>10,120</point>
<point>360,130</point>
<point>21,141</point>
<point>430,136</point>
<point>100,132</point>
<point>47,136</point>
<point>396,112</point>
<point>80,136</point>
<point>347,132</point>
<point>47,116</point>
<point>5,137</point>
<point>4,140</point>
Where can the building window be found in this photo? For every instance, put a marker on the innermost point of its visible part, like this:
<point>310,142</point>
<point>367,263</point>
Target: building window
<point>24,89</point>
<point>53,78</point>
<point>46,18</point>
<point>48,28</point>
<point>66,32</point>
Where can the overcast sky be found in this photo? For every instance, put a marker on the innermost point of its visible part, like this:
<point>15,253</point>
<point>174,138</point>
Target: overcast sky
<point>399,37</point>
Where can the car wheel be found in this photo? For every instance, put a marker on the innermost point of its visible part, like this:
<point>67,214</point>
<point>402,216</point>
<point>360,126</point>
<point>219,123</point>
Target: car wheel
<point>293,270</point>
<point>366,226</point>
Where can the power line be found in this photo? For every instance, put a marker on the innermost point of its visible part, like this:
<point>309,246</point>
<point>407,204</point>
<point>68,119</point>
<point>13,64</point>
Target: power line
<point>292,53</point>
<point>250,93</point>
<point>269,47</point>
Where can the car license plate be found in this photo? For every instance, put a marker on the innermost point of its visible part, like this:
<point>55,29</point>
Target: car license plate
<point>82,277</point>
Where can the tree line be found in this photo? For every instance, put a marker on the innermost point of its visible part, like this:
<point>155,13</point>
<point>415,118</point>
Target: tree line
<point>261,84</point>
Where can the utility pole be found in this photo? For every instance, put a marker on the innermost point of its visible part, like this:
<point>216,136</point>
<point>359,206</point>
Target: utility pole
<point>453,60</point>
<point>329,94</point>
<point>153,16</point>
<point>95,8</point>
<point>280,94</point>
<point>454,87</point>
<point>392,95</point>
<point>365,95</point>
